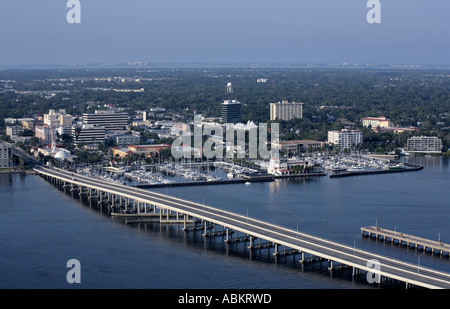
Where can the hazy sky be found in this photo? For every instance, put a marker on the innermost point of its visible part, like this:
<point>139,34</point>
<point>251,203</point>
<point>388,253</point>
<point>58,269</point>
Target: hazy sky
<point>216,31</point>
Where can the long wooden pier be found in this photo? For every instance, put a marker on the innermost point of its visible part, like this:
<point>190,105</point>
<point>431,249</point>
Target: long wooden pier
<point>419,243</point>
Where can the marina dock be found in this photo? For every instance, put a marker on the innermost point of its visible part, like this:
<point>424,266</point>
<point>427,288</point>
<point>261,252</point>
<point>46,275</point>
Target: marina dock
<point>419,243</point>
<point>408,168</point>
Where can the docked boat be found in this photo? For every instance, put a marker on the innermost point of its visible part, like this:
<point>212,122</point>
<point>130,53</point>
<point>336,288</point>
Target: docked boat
<point>398,166</point>
<point>357,169</point>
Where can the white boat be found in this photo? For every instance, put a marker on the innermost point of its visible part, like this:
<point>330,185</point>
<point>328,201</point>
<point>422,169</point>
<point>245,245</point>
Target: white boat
<point>356,169</point>
<point>247,183</point>
<point>404,153</point>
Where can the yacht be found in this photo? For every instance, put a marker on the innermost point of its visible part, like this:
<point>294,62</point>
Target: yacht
<point>356,169</point>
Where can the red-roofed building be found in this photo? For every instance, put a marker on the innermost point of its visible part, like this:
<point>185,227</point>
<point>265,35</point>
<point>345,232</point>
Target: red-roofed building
<point>147,150</point>
<point>375,122</point>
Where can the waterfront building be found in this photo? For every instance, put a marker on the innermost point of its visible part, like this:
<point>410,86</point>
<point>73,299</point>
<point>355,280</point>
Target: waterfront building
<point>146,150</point>
<point>6,155</point>
<point>46,134</point>
<point>60,154</point>
<point>109,119</point>
<point>428,144</point>
<point>279,166</point>
<point>231,111</point>
<point>296,146</point>
<point>88,134</point>
<point>375,122</point>
<point>286,111</point>
<point>345,139</point>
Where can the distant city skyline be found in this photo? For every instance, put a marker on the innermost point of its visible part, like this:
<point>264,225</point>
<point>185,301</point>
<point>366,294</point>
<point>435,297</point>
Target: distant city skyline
<point>244,31</point>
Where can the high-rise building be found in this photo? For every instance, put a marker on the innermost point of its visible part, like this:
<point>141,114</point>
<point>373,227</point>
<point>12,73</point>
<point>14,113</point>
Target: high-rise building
<point>231,111</point>
<point>345,139</point>
<point>6,155</point>
<point>109,119</point>
<point>286,111</point>
<point>430,144</point>
<point>88,134</point>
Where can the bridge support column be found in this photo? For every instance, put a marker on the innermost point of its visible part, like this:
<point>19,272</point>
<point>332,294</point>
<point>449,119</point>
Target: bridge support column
<point>302,260</point>
<point>226,235</point>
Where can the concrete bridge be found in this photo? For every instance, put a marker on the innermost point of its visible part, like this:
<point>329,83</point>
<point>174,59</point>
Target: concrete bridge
<point>189,214</point>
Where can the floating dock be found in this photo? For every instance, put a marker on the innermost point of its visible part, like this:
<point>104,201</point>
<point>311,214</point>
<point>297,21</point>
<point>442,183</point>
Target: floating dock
<point>410,168</point>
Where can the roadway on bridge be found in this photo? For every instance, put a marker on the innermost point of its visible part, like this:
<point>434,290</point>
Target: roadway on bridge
<point>326,249</point>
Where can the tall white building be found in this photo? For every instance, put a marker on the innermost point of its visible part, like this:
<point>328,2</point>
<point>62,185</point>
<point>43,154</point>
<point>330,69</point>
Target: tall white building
<point>56,119</point>
<point>430,144</point>
<point>286,111</point>
<point>345,139</point>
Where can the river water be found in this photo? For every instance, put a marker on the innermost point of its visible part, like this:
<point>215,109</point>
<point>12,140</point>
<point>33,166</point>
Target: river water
<point>42,228</point>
